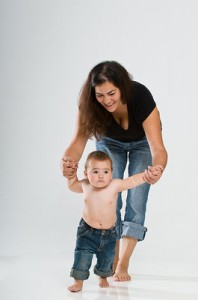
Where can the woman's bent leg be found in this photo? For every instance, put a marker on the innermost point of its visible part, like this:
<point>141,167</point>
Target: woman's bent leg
<point>133,229</point>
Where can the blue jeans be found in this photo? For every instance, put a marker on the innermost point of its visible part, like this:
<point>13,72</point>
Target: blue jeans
<point>137,156</point>
<point>92,241</point>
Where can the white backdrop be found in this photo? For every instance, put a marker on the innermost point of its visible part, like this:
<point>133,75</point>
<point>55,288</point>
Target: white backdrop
<point>47,50</point>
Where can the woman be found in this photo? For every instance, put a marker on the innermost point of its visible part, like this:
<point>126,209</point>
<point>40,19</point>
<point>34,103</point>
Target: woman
<point>122,116</point>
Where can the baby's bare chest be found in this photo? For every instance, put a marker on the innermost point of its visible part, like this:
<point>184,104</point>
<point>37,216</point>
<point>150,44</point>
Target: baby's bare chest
<point>101,198</point>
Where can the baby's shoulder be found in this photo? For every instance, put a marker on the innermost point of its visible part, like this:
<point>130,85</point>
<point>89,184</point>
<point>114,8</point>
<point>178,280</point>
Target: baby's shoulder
<point>85,182</point>
<point>116,182</point>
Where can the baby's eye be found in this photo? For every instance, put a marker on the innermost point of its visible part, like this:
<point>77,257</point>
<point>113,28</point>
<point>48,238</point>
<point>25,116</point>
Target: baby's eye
<point>106,172</point>
<point>95,172</point>
<point>112,94</point>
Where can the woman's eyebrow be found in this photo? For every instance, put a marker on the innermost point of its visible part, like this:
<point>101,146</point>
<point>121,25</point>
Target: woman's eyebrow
<point>111,91</point>
<point>98,93</point>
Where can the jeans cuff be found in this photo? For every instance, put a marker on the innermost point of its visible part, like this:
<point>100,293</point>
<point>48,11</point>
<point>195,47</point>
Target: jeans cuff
<point>134,230</point>
<point>103,274</point>
<point>79,275</point>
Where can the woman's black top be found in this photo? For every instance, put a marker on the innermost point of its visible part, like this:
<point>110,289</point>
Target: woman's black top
<point>139,107</point>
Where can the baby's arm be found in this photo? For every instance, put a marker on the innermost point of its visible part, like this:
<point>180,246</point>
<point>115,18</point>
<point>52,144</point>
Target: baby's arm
<point>130,182</point>
<point>75,185</point>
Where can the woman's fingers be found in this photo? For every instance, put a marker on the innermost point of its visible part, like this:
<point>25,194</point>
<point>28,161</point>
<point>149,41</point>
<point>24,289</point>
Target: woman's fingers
<point>152,175</point>
<point>68,166</point>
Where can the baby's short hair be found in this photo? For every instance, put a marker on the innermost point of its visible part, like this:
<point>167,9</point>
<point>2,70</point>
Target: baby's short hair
<point>98,155</point>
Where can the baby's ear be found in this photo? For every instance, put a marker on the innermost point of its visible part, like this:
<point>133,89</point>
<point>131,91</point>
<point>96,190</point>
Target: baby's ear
<point>85,173</point>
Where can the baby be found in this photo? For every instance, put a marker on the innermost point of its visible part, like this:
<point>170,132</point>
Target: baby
<point>96,232</point>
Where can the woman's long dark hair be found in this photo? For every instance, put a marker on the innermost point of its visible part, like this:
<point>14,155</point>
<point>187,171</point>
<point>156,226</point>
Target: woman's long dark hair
<point>94,118</point>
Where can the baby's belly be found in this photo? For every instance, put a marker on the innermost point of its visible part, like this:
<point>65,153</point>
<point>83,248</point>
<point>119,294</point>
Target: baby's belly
<point>99,222</point>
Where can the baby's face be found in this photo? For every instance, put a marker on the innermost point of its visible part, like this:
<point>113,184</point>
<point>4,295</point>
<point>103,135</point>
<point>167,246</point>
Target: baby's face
<point>99,173</point>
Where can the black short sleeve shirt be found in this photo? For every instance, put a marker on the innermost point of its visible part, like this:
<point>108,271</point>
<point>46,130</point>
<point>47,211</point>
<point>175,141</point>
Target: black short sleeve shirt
<point>139,107</point>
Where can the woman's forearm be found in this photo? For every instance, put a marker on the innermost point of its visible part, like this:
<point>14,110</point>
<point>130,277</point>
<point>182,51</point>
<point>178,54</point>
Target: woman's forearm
<point>160,157</point>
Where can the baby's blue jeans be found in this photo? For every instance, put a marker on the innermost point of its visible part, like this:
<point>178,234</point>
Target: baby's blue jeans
<point>90,241</point>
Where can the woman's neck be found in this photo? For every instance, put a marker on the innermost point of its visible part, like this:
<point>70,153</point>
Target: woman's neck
<point>121,112</point>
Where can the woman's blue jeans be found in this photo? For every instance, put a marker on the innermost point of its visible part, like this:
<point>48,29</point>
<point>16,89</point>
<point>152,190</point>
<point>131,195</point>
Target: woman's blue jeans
<point>137,156</point>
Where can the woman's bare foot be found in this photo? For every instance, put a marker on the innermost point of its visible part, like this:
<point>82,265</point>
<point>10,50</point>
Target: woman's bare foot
<point>76,287</point>
<point>121,274</point>
<point>103,282</point>
<point>128,246</point>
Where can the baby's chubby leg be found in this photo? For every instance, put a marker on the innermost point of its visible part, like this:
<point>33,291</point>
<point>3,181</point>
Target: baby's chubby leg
<point>77,286</point>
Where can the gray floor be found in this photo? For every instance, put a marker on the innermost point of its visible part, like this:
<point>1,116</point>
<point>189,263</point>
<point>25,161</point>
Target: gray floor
<point>48,278</point>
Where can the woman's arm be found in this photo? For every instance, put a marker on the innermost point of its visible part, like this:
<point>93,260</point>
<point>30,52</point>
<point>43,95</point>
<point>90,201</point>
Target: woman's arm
<point>73,152</point>
<point>152,128</point>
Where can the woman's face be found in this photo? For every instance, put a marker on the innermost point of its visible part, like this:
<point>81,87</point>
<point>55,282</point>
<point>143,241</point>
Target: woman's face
<point>108,95</point>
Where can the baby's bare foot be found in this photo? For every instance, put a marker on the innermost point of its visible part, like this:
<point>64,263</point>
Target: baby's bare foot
<point>103,282</point>
<point>76,287</point>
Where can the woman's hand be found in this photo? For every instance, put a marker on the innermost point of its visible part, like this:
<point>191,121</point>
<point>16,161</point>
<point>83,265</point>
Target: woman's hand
<point>153,174</point>
<point>68,167</point>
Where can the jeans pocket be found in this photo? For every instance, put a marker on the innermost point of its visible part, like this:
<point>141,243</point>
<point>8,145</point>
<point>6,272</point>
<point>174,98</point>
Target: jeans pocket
<point>82,230</point>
